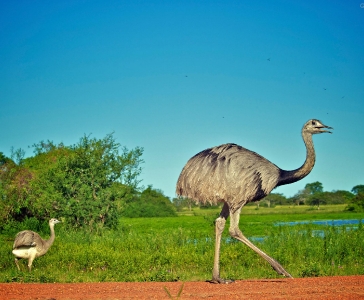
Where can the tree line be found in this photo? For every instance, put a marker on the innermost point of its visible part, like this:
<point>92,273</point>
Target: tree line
<point>96,181</point>
<point>313,194</point>
<point>89,184</point>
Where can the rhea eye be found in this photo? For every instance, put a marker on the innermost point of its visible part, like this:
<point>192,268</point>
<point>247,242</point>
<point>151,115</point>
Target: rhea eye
<point>313,123</point>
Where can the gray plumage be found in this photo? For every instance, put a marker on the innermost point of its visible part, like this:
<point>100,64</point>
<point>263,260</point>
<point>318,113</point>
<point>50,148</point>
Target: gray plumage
<point>236,176</point>
<point>29,244</point>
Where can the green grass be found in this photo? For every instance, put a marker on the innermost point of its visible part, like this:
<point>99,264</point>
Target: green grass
<point>182,248</point>
<point>279,209</point>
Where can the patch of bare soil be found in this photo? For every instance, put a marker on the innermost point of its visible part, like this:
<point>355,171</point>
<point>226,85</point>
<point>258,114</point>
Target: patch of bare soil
<point>340,287</point>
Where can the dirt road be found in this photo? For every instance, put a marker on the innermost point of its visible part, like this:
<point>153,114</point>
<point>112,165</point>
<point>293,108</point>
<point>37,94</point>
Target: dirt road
<point>345,287</point>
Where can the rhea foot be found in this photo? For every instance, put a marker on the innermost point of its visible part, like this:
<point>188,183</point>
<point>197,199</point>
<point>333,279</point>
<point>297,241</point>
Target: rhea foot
<point>221,281</point>
<point>280,270</point>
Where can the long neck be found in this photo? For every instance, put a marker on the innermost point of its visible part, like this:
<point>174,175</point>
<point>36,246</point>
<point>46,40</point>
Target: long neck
<point>50,241</point>
<point>287,177</point>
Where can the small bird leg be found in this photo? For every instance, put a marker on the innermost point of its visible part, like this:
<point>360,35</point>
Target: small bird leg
<point>219,228</point>
<point>30,262</point>
<point>17,263</point>
<point>237,234</point>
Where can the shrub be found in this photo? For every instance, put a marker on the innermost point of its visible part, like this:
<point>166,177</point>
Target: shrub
<point>150,203</point>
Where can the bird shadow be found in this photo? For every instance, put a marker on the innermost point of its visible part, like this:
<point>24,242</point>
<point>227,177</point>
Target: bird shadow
<point>232,281</point>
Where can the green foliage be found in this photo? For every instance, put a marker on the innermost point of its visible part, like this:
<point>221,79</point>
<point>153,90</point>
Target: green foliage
<point>273,199</point>
<point>339,197</point>
<point>358,189</point>
<point>317,199</point>
<point>314,187</point>
<point>84,183</point>
<point>150,203</point>
<point>310,270</point>
<point>45,147</point>
<point>14,189</point>
<point>357,203</point>
<point>336,197</point>
<point>13,227</point>
<point>3,159</point>
<point>310,190</point>
<point>17,155</point>
<point>181,203</point>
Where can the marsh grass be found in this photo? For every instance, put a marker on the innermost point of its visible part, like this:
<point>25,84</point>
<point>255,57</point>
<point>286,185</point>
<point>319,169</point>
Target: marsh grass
<point>182,249</point>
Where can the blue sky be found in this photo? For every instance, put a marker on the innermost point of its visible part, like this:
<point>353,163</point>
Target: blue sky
<point>177,77</point>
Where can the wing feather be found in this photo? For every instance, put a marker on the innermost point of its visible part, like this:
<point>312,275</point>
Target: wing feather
<point>26,238</point>
<point>227,173</point>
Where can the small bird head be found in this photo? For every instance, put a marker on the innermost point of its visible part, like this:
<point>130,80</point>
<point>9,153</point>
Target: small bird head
<point>53,221</point>
<point>315,126</point>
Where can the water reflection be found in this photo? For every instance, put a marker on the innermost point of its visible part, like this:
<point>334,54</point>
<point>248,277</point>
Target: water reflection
<point>315,233</point>
<point>323,222</point>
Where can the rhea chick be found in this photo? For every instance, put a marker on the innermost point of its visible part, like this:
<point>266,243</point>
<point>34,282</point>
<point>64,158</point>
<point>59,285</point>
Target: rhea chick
<point>29,244</point>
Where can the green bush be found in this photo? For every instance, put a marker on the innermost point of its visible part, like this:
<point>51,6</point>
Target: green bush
<point>150,203</point>
<point>84,183</point>
<point>357,203</point>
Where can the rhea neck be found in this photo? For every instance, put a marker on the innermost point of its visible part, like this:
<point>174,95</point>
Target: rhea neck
<point>50,241</point>
<point>287,177</point>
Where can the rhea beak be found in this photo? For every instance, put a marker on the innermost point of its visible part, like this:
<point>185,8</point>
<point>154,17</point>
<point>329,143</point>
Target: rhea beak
<point>321,126</point>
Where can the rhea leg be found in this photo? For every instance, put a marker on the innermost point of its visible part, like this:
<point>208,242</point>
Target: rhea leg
<point>30,262</point>
<point>219,228</point>
<point>237,234</point>
<point>17,263</point>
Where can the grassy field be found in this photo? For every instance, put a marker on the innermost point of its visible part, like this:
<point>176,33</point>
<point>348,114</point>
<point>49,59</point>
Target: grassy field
<point>277,210</point>
<point>182,248</point>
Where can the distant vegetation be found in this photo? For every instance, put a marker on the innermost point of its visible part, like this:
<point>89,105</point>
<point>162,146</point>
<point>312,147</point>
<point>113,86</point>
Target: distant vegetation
<point>150,203</point>
<point>312,195</point>
<point>93,183</point>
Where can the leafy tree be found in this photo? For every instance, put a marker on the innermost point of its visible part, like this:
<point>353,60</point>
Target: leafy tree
<point>83,183</point>
<point>300,197</point>
<point>317,198</point>
<point>335,197</point>
<point>125,195</point>
<point>304,195</point>
<point>182,202</point>
<point>357,203</point>
<point>179,203</point>
<point>358,189</point>
<point>150,203</point>
<point>86,179</point>
<point>314,187</point>
<point>274,199</point>
<point>17,155</point>
<point>339,197</point>
<point>3,159</point>
<point>14,189</point>
<point>45,147</point>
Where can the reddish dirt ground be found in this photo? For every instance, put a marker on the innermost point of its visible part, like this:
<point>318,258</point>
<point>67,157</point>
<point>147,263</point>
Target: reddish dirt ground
<point>343,287</point>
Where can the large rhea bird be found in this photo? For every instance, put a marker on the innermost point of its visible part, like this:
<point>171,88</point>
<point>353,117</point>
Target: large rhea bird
<point>236,176</point>
<point>29,245</point>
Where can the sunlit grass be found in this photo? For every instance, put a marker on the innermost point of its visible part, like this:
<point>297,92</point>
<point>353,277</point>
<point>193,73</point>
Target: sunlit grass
<point>182,248</point>
<point>278,209</point>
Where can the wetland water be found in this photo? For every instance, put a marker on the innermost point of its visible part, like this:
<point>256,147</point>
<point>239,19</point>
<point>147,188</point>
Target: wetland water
<point>319,233</point>
<point>323,222</point>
